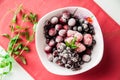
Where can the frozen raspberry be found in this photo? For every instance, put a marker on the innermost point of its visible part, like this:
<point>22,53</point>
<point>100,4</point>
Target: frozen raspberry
<point>79,36</point>
<point>87,39</point>
<point>71,33</point>
<point>80,47</point>
<point>69,39</point>
<point>52,32</point>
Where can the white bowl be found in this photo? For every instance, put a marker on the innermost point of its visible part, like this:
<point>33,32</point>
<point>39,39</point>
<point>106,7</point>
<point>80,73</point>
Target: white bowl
<point>97,52</point>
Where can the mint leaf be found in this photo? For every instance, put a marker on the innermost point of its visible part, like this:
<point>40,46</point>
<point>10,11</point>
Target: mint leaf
<point>6,35</point>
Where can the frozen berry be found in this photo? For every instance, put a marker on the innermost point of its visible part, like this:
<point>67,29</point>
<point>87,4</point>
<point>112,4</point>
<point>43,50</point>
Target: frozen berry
<point>50,57</point>
<point>79,28</point>
<point>55,59</point>
<point>47,49</point>
<point>51,43</point>
<point>70,33</point>
<point>66,27</point>
<point>87,39</point>
<point>71,22</point>
<point>86,58</point>
<point>69,39</point>
<point>85,26</point>
<point>79,36</point>
<point>81,20</point>
<point>59,39</point>
<point>52,32</point>
<point>75,28</point>
<point>62,32</point>
<point>58,27</point>
<point>68,66</point>
<point>62,20</point>
<point>54,20</point>
<point>66,15</point>
<point>80,47</point>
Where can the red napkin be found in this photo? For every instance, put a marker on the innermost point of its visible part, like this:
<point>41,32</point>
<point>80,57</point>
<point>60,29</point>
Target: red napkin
<point>108,69</point>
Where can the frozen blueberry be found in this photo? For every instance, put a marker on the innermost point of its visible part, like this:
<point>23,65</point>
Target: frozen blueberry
<point>67,66</point>
<point>65,55</point>
<point>79,28</point>
<point>55,59</point>
<point>75,28</point>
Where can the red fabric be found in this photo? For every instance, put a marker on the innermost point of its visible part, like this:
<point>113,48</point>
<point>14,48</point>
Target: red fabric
<point>108,69</point>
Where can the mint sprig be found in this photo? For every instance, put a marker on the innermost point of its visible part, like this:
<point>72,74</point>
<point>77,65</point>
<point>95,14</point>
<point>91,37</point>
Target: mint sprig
<point>72,43</point>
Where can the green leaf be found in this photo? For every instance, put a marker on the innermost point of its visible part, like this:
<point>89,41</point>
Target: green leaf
<point>23,59</point>
<point>26,49</point>
<point>32,18</point>
<point>73,46</point>
<point>12,43</point>
<point>27,35</point>
<point>11,28</point>
<point>17,52</point>
<point>34,27</point>
<point>6,35</point>
<point>31,37</point>
<point>14,19</point>
<point>67,44</point>
<point>73,40</point>
<point>18,27</point>
<point>24,17</point>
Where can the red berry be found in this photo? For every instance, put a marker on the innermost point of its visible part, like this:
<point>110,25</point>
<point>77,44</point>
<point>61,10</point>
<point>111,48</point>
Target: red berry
<point>58,27</point>
<point>59,39</point>
<point>47,49</point>
<point>62,20</point>
<point>86,58</point>
<point>66,27</point>
<point>52,32</point>
<point>71,33</point>
<point>54,20</point>
<point>87,39</point>
<point>62,32</point>
<point>71,22</point>
<point>66,15</point>
<point>51,43</point>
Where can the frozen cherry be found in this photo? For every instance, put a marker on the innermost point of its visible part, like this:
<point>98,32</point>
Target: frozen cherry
<point>71,22</point>
<point>47,49</point>
<point>62,20</point>
<point>62,32</point>
<point>58,27</point>
<point>86,58</point>
<point>52,32</point>
<point>51,43</point>
<point>54,20</point>
<point>59,39</point>
<point>66,15</point>
<point>66,27</point>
